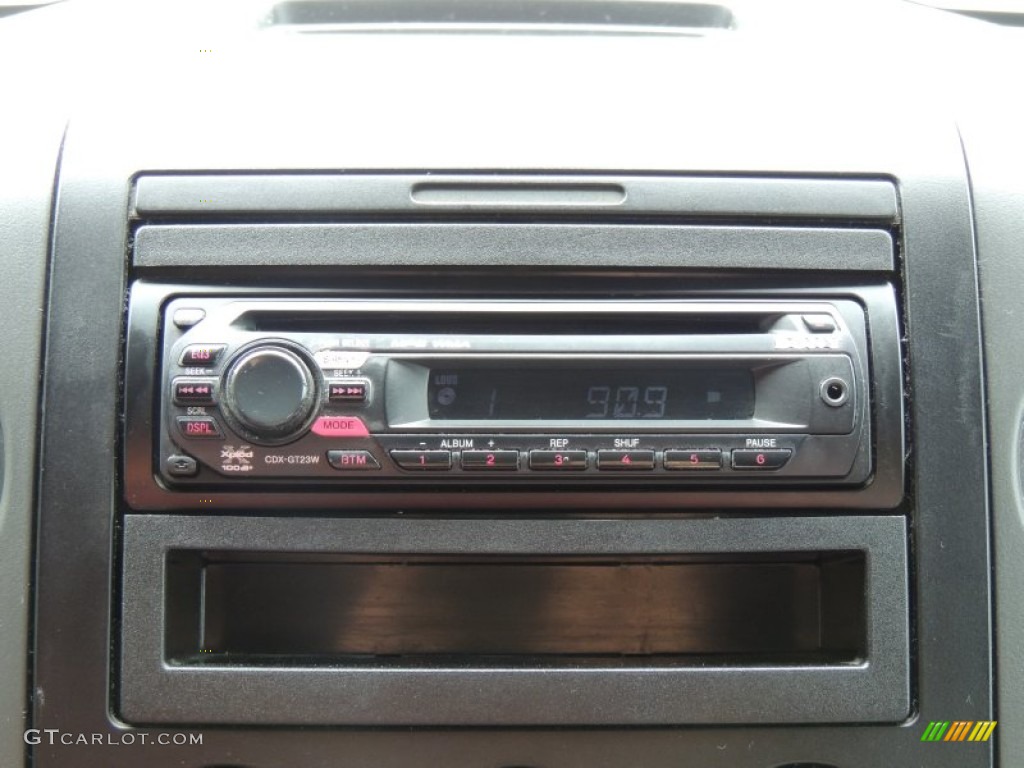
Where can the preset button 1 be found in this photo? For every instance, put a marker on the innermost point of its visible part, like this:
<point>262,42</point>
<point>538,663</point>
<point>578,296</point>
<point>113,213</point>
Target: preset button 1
<point>422,460</point>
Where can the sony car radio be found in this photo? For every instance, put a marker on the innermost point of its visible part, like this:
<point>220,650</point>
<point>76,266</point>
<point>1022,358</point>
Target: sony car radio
<point>515,391</point>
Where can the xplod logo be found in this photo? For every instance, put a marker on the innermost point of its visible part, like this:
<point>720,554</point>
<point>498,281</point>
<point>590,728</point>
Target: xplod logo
<point>959,730</point>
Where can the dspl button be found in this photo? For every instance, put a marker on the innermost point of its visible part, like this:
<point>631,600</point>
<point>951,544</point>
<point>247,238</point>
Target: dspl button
<point>198,426</point>
<point>772,458</point>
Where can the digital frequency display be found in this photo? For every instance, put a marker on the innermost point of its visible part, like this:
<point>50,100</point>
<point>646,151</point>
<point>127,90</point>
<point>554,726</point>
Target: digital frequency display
<point>584,394</point>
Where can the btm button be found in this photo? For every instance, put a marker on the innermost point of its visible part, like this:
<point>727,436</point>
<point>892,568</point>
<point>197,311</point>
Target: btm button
<point>348,461</point>
<point>768,458</point>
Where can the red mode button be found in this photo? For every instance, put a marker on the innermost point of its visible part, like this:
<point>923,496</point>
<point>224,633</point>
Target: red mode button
<point>340,426</point>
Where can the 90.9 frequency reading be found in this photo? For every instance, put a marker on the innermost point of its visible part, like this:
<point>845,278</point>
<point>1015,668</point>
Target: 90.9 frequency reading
<point>584,394</point>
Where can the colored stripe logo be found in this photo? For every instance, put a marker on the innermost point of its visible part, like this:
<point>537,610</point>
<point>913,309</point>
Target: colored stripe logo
<point>959,730</point>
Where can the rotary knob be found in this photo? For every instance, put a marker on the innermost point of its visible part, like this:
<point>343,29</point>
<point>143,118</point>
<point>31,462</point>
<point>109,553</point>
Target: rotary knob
<point>270,394</point>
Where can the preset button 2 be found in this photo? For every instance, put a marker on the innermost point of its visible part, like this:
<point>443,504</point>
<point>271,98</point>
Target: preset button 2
<point>490,460</point>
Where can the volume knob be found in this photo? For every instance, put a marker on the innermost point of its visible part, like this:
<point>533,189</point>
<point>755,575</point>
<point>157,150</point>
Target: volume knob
<point>270,394</point>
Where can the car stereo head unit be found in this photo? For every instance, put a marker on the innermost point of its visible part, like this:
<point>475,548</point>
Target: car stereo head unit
<point>365,391</point>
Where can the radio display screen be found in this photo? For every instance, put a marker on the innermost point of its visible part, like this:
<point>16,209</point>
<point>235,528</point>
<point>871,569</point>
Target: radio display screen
<point>590,394</point>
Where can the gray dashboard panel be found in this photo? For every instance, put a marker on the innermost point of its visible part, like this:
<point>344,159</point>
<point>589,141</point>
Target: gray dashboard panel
<point>936,228</point>
<point>873,689</point>
<point>999,211</point>
<point>28,159</point>
<point>209,195</point>
<point>755,130</point>
<point>383,244</point>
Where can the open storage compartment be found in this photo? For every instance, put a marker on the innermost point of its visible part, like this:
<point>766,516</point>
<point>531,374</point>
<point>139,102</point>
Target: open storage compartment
<point>514,622</point>
<point>399,610</point>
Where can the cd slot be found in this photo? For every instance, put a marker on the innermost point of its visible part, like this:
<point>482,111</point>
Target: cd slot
<point>502,323</point>
<point>266,609</point>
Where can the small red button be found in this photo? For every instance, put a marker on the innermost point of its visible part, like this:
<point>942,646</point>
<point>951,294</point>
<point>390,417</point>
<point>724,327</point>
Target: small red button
<point>340,426</point>
<point>202,426</point>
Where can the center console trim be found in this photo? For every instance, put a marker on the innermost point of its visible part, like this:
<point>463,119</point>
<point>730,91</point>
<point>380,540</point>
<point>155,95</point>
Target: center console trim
<point>155,691</point>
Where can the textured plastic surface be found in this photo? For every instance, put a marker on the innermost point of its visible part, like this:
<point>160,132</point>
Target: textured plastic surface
<point>28,160</point>
<point>563,246</point>
<point>999,208</point>
<point>153,691</point>
<point>209,195</point>
<point>549,13</point>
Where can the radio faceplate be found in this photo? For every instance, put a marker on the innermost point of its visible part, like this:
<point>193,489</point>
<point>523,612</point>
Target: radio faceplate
<point>358,392</point>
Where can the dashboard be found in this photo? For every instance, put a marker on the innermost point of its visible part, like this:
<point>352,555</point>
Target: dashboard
<point>510,384</point>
